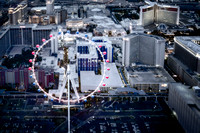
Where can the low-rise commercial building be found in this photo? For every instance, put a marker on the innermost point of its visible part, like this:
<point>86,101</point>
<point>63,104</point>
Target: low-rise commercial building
<point>148,79</point>
<point>90,81</point>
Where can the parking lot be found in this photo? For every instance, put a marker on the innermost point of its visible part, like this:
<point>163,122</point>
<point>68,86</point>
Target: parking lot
<point>101,114</point>
<point>129,116</point>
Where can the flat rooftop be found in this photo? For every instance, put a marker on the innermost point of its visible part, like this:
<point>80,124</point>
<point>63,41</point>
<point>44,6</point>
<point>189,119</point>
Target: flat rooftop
<point>149,4</point>
<point>104,23</point>
<point>148,75</point>
<point>92,52</point>
<point>89,81</point>
<point>71,53</point>
<point>48,60</point>
<point>44,8</point>
<point>16,50</point>
<point>74,76</point>
<point>104,41</point>
<point>143,34</point>
<point>34,26</point>
<point>23,26</point>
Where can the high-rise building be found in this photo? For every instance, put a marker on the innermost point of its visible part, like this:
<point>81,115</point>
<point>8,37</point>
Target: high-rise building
<point>54,43</point>
<point>184,102</point>
<point>81,12</point>
<point>40,32</point>
<point>49,78</point>
<point>143,49</point>
<point>50,6</point>
<point>44,77</point>
<point>48,14</point>
<point>17,14</point>
<point>4,41</point>
<point>2,78</point>
<point>167,14</point>
<point>190,48</point>
<point>147,15</point>
<point>26,35</point>
<point>186,59</point>
<point>15,77</point>
<point>156,13</point>
<point>26,77</point>
<point>29,35</point>
<point>21,35</point>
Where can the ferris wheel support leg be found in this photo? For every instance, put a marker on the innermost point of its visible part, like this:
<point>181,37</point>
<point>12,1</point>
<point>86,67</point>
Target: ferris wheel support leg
<point>68,104</point>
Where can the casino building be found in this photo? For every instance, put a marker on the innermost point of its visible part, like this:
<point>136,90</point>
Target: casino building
<point>156,13</point>
<point>143,49</point>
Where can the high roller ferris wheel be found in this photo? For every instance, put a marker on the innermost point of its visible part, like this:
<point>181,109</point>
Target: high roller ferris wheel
<point>67,72</point>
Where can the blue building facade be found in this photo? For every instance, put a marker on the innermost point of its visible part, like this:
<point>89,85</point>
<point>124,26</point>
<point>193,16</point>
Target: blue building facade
<point>29,35</point>
<point>83,49</point>
<point>87,64</point>
<point>87,57</point>
<point>103,49</point>
<point>21,36</point>
<point>106,46</point>
<point>39,34</point>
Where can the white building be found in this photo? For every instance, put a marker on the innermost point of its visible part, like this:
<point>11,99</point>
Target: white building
<point>144,49</point>
<point>75,24</point>
<point>156,13</point>
<point>61,86</point>
<point>105,25</point>
<point>148,79</point>
<point>50,7</point>
<point>54,42</point>
<point>61,92</point>
<point>90,81</point>
<point>48,14</point>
